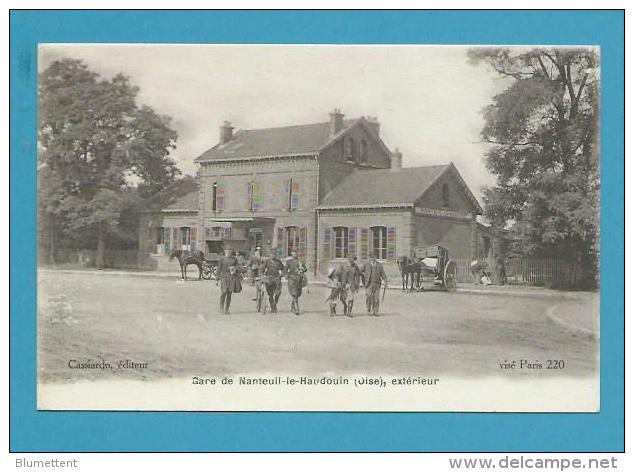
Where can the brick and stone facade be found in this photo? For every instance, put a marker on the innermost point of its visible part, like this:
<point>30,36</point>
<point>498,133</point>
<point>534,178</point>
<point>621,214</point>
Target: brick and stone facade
<point>328,190</point>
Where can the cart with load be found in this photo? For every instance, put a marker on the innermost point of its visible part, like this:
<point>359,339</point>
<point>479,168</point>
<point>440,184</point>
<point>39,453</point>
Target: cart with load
<point>437,270</point>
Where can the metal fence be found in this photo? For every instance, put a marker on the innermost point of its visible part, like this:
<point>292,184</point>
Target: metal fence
<point>560,273</point>
<point>113,259</point>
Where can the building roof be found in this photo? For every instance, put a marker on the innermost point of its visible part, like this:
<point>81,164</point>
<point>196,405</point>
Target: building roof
<point>188,202</point>
<point>287,140</point>
<point>389,188</point>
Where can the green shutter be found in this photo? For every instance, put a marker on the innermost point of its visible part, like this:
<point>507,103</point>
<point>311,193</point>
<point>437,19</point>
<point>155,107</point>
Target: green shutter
<point>257,196</point>
<point>365,243</point>
<point>303,236</point>
<point>220,197</point>
<point>193,237</point>
<point>391,243</point>
<point>295,196</point>
<point>327,243</point>
<point>280,241</point>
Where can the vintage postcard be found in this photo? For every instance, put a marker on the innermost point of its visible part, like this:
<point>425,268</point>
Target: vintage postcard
<point>318,228</point>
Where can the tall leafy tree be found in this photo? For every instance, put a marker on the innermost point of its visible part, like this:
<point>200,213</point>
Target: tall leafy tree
<point>543,131</point>
<point>99,152</point>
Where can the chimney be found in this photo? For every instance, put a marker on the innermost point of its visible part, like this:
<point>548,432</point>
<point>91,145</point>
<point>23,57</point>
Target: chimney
<point>226,132</point>
<point>373,121</point>
<point>336,121</point>
<point>397,160</point>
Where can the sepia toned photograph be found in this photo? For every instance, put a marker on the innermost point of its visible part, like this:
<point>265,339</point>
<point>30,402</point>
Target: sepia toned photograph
<point>318,228</point>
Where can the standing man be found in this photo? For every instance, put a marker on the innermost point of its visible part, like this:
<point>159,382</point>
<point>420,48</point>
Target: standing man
<point>373,276</point>
<point>350,278</point>
<point>295,273</point>
<point>273,270</point>
<point>229,277</point>
<point>500,270</point>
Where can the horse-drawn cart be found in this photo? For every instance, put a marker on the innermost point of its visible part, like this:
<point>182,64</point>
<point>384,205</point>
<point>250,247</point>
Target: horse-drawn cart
<point>437,270</point>
<point>210,267</point>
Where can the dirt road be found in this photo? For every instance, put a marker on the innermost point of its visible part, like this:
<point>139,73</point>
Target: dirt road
<point>176,329</point>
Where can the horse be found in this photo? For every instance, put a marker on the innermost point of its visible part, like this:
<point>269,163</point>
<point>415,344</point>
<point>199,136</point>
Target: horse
<point>186,258</point>
<point>410,269</point>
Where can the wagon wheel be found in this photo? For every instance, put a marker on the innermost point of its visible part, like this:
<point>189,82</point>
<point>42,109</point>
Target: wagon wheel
<point>207,272</point>
<point>450,276</point>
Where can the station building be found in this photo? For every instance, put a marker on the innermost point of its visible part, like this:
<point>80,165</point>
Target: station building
<point>327,190</point>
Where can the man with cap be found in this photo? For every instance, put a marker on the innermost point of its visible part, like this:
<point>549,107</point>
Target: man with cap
<point>373,276</point>
<point>273,270</point>
<point>350,278</point>
<point>295,274</point>
<point>229,277</point>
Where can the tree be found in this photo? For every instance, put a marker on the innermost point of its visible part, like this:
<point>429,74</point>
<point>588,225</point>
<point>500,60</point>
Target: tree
<point>543,131</point>
<point>98,151</point>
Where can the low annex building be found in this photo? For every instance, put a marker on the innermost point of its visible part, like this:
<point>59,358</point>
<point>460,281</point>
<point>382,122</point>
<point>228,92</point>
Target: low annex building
<point>327,190</point>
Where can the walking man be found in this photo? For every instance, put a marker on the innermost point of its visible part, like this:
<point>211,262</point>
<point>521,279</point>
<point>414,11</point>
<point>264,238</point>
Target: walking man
<point>295,274</point>
<point>273,270</point>
<point>333,282</point>
<point>229,277</point>
<point>373,276</point>
<point>350,279</point>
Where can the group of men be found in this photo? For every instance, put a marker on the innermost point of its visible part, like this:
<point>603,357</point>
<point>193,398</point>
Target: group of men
<point>344,281</point>
<point>269,270</point>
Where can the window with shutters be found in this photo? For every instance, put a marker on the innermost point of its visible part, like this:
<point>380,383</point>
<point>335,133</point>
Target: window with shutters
<point>185,235</point>
<point>254,195</point>
<point>379,242</point>
<point>292,239</point>
<point>218,201</point>
<point>341,241</point>
<point>292,194</point>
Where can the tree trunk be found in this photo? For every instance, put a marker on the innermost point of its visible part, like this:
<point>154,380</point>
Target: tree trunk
<point>51,241</point>
<point>101,249</point>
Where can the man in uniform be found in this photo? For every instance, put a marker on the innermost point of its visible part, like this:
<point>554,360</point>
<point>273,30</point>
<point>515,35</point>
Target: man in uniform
<point>350,277</point>
<point>373,276</point>
<point>273,270</point>
<point>333,282</point>
<point>229,277</point>
<point>295,274</point>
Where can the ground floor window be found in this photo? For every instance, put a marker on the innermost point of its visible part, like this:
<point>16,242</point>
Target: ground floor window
<point>379,241</point>
<point>185,235</point>
<point>341,241</point>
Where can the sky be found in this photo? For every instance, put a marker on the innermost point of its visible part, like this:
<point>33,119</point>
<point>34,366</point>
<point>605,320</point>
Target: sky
<point>428,99</point>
